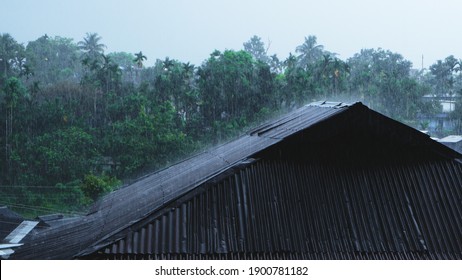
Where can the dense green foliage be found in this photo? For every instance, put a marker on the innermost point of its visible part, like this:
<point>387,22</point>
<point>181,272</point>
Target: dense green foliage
<point>94,186</point>
<point>70,113</point>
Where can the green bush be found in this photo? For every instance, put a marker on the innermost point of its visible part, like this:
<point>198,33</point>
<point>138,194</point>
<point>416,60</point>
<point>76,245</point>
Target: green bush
<point>95,186</point>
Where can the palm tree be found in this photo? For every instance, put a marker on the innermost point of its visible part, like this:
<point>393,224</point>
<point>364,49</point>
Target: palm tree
<point>275,64</point>
<point>310,52</point>
<point>139,59</point>
<point>168,64</point>
<point>290,61</point>
<point>188,69</point>
<point>91,45</point>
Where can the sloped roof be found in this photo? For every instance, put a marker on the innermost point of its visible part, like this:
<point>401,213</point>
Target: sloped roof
<point>129,205</point>
<point>279,209</point>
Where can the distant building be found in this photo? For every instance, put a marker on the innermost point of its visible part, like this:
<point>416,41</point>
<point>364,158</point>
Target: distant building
<point>448,101</point>
<point>441,122</point>
<point>327,181</point>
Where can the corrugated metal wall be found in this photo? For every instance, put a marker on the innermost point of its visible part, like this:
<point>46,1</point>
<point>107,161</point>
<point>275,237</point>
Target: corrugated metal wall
<point>283,210</point>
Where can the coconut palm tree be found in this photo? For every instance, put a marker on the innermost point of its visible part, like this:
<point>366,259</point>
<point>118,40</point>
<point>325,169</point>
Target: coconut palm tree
<point>310,52</point>
<point>188,69</point>
<point>91,45</point>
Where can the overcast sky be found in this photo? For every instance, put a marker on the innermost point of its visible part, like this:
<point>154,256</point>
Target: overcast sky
<point>191,30</point>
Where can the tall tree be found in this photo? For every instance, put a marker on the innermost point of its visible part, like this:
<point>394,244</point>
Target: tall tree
<point>330,76</point>
<point>139,58</point>
<point>92,46</point>
<point>54,60</point>
<point>14,93</point>
<point>275,64</point>
<point>109,74</point>
<point>257,49</point>
<point>443,75</point>
<point>382,79</point>
<point>309,52</point>
<point>235,91</point>
<point>296,84</point>
<point>12,57</point>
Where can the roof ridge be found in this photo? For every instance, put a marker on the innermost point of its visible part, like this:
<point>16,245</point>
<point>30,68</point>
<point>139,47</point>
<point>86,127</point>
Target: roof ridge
<point>331,104</point>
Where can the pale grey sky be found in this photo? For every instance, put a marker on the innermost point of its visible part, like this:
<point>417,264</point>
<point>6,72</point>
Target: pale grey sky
<point>191,30</point>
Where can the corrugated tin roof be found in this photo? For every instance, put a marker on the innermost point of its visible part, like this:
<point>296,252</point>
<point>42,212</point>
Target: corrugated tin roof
<point>130,205</point>
<point>307,210</point>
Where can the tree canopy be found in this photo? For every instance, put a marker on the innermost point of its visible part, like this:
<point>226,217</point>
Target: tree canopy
<point>72,115</point>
